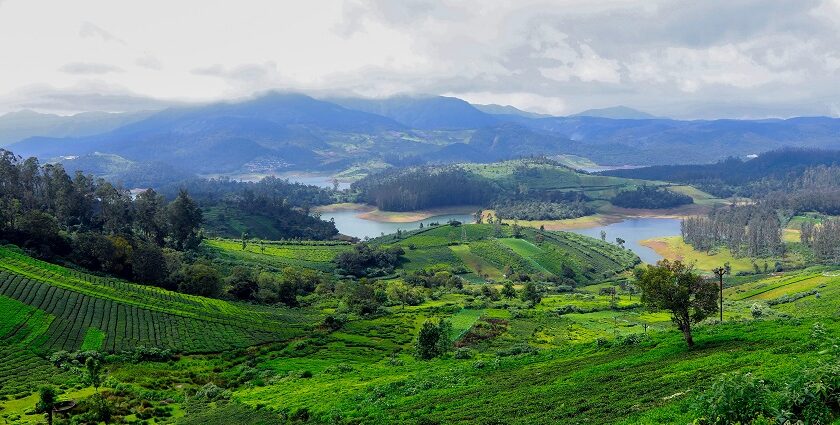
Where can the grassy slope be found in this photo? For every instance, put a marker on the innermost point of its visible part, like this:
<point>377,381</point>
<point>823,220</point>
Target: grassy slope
<point>365,373</point>
<point>673,247</point>
<point>57,308</point>
<point>277,254</point>
<point>475,248</point>
<point>569,381</point>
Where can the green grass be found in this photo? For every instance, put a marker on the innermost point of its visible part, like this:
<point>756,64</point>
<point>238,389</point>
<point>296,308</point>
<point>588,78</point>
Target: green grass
<point>463,320</point>
<point>316,256</point>
<point>55,309</point>
<point>94,338</point>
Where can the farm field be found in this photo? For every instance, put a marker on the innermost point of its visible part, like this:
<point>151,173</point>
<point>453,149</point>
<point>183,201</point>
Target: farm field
<point>486,250</point>
<point>309,255</point>
<point>673,247</point>
<point>50,308</point>
<point>558,361</point>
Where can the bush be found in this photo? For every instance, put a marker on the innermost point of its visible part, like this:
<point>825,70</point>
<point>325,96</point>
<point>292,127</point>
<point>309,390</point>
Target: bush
<point>814,396</point>
<point>734,398</point>
<point>463,353</point>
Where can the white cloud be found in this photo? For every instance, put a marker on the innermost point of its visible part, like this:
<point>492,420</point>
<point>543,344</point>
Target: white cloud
<point>88,30</point>
<point>89,68</point>
<point>555,55</point>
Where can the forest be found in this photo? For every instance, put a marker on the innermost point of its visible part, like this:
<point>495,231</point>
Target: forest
<point>650,197</point>
<point>746,230</point>
<point>419,188</point>
<point>536,210</point>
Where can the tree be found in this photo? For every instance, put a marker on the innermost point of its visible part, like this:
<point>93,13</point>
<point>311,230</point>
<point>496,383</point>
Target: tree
<point>603,235</point>
<point>242,283</point>
<point>674,286</point>
<point>508,291</point>
<point>531,294</point>
<point>184,217</point>
<point>148,215</point>
<point>620,242</point>
<point>148,264</point>
<point>201,279</point>
<point>93,367</point>
<point>47,399</point>
<point>434,339</point>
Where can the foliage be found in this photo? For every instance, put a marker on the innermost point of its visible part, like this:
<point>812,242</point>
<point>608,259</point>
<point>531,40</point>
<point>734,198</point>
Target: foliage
<point>434,339</point>
<point>419,188</point>
<point>536,210</point>
<point>650,197</point>
<point>366,260</point>
<point>674,286</point>
<point>735,398</point>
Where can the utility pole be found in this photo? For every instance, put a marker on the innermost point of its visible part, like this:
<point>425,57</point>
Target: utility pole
<point>719,272</point>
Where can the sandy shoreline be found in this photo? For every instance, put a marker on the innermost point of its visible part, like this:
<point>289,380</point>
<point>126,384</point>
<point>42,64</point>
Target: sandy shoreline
<point>368,212</point>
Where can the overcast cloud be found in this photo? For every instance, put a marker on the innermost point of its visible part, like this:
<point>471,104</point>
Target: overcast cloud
<point>686,59</point>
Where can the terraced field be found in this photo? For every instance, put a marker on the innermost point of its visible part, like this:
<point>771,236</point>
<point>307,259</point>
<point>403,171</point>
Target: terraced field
<point>486,250</point>
<point>52,308</point>
<point>310,255</point>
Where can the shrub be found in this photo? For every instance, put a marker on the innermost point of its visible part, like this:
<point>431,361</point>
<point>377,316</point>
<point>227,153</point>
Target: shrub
<point>734,398</point>
<point>756,310</point>
<point>813,396</point>
<point>463,353</point>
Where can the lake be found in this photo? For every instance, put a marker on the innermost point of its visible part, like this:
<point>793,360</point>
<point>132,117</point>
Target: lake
<point>347,222</point>
<point>634,230</point>
<point>631,230</point>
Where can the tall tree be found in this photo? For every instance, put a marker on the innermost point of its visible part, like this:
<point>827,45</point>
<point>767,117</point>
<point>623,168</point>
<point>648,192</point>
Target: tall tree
<point>184,218</point>
<point>674,286</point>
<point>47,399</point>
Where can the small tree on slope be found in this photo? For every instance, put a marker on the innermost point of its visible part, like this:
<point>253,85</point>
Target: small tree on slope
<point>674,286</point>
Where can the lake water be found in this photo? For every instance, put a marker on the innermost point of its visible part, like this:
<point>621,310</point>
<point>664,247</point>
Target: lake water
<point>631,230</point>
<point>634,230</point>
<point>315,180</point>
<point>347,222</point>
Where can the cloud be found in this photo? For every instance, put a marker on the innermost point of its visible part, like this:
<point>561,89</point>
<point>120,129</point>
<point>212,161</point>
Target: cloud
<point>89,30</point>
<point>684,59</point>
<point>149,62</point>
<point>89,68</point>
<point>91,96</point>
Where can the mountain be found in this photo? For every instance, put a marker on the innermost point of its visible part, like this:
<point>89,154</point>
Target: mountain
<point>128,173</point>
<point>16,126</point>
<point>664,141</point>
<point>507,110</point>
<point>424,113</point>
<point>279,130</point>
<point>616,113</point>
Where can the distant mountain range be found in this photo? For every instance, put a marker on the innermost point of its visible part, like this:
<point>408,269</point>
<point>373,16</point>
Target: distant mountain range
<point>288,131</point>
<point>616,113</point>
<point>20,125</point>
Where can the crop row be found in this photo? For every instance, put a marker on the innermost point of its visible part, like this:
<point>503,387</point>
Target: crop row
<point>53,319</point>
<point>143,297</point>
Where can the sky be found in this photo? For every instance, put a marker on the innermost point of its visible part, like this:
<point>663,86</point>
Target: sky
<point>681,59</point>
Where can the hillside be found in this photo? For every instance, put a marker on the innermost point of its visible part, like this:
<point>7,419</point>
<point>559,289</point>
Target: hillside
<point>481,251</point>
<point>16,126</point>
<point>280,132</point>
<point>52,308</point>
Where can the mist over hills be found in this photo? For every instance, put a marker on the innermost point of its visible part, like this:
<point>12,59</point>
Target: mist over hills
<point>293,132</point>
<point>20,125</point>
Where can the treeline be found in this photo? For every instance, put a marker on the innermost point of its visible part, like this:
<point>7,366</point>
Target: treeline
<point>735,177</point>
<point>92,223</point>
<point>817,189</point>
<point>536,210</point>
<point>419,188</point>
<point>272,189</point>
<point>823,238</point>
<point>650,197</point>
<point>749,230</point>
